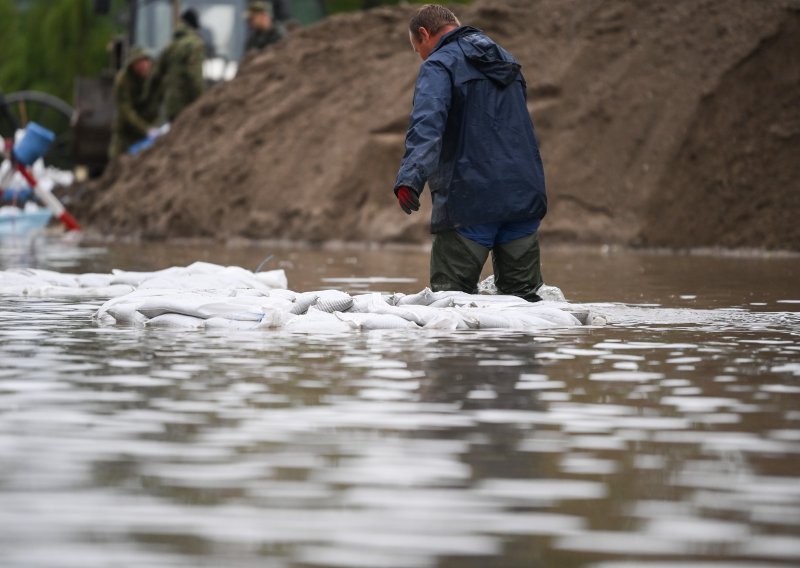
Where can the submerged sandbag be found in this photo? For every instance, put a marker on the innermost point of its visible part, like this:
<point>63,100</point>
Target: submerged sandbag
<point>175,321</point>
<point>369,321</point>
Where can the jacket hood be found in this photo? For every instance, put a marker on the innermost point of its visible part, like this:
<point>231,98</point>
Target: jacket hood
<point>484,54</point>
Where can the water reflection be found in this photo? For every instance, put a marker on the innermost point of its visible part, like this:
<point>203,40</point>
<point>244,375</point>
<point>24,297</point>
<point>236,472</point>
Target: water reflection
<point>54,252</point>
<point>668,438</point>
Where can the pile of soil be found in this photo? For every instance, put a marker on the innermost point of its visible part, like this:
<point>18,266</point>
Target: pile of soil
<point>660,123</point>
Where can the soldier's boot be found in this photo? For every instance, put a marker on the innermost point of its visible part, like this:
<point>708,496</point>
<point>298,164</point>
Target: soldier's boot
<point>517,269</point>
<point>456,263</point>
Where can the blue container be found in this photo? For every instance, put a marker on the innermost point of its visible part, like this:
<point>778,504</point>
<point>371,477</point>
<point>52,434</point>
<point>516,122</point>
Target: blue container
<point>143,144</point>
<point>34,144</point>
<point>23,223</point>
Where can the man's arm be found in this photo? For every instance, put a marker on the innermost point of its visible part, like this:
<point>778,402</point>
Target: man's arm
<point>194,68</point>
<point>153,88</point>
<point>126,107</point>
<point>432,97</point>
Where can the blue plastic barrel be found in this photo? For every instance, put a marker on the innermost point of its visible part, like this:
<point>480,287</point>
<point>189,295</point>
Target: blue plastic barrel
<point>34,144</point>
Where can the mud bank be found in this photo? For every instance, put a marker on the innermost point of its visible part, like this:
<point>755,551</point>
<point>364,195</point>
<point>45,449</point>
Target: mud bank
<point>660,124</point>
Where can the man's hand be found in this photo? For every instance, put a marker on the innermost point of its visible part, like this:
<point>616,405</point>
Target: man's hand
<point>408,199</point>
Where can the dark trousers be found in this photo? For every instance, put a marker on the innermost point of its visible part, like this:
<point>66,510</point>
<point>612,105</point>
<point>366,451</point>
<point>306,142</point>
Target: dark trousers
<point>456,264</point>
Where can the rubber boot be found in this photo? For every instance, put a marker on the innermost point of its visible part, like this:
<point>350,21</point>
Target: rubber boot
<point>456,263</point>
<point>517,269</point>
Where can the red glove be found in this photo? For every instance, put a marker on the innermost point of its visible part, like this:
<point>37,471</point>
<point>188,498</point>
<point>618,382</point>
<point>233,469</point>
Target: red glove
<point>408,199</point>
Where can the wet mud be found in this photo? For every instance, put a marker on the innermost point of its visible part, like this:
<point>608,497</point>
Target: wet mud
<point>660,124</point>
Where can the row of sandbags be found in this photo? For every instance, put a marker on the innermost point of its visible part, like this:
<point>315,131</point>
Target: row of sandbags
<point>331,311</point>
<point>199,275</point>
<point>205,295</point>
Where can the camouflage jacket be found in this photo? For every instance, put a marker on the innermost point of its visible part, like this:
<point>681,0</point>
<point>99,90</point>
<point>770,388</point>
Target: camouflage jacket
<point>259,39</point>
<point>177,78</point>
<point>133,116</point>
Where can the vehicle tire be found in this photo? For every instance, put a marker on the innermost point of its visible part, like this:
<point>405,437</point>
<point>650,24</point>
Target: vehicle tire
<point>46,110</point>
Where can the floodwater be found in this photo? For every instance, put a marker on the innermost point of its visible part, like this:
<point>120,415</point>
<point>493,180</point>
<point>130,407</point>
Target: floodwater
<point>668,438</point>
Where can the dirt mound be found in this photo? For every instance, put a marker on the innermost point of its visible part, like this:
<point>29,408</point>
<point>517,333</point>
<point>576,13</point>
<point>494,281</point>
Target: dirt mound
<point>660,123</point>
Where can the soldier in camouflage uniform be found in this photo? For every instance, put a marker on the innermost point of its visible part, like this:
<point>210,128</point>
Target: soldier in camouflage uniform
<point>178,76</point>
<point>133,117</point>
<point>263,28</point>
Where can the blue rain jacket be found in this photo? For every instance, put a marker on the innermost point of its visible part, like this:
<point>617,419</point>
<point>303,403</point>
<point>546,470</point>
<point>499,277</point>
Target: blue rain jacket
<point>471,136</point>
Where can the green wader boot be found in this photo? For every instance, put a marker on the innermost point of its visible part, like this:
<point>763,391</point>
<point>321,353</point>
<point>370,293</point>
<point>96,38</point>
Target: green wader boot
<point>517,268</point>
<point>456,264</point>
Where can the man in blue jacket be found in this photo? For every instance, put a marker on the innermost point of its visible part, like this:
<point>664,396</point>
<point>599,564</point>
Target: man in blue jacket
<point>472,140</point>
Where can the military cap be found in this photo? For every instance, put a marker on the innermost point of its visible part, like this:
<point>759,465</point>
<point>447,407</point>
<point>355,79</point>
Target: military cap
<point>258,7</point>
<point>135,53</point>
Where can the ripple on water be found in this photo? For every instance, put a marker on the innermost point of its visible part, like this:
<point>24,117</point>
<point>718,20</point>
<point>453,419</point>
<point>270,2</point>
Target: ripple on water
<point>541,490</point>
<point>377,450</point>
<point>625,376</point>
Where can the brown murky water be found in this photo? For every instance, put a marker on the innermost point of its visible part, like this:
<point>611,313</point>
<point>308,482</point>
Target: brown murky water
<point>667,439</point>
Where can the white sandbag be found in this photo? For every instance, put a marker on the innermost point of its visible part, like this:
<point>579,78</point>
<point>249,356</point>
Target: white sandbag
<point>392,299</point>
<point>448,294</point>
<point>188,305</point>
<point>361,302</point>
<point>276,303</point>
<point>275,319</point>
<point>273,279</point>
<point>304,301</point>
<point>487,319</point>
<point>49,291</point>
<point>199,275</point>
<point>421,315</point>
<point>446,302</point>
<point>136,278</point>
<point>531,321</point>
<point>316,321</point>
<point>283,293</point>
<point>450,320</point>
<point>92,280</point>
<point>333,301</point>
<point>250,292</point>
<point>14,278</point>
<point>21,288</point>
<point>230,310</point>
<point>545,292</point>
<point>241,278</point>
<point>189,282</point>
<point>112,291</point>
<point>553,315</point>
<point>551,293</point>
<point>424,298</point>
<point>369,322</point>
<point>230,324</point>
<point>408,313</point>
<point>202,267</point>
<point>487,301</point>
<point>125,313</point>
<point>54,278</point>
<point>106,319</point>
<point>135,297</point>
<point>175,321</point>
